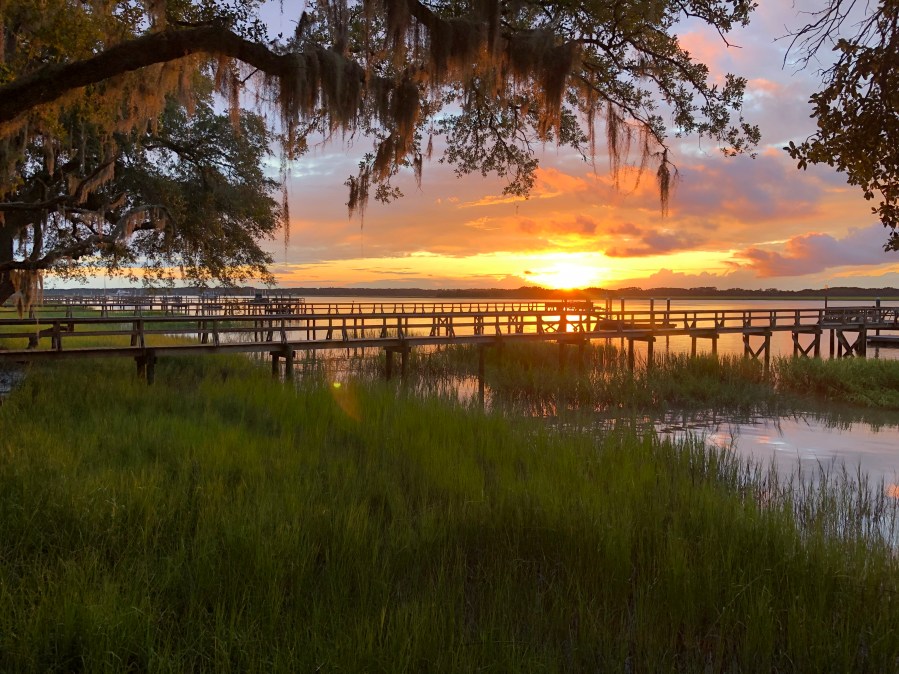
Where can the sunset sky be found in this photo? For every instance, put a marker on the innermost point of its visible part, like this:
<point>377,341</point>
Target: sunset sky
<point>739,222</point>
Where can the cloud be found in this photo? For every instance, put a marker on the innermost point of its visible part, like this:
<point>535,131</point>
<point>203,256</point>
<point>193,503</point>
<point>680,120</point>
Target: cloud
<point>645,241</point>
<point>667,278</point>
<point>552,181</point>
<point>815,252</point>
<point>493,200</point>
<point>761,86</point>
<point>579,225</point>
<point>763,189</point>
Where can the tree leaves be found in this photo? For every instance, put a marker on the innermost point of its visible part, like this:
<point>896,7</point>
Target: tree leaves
<point>857,109</point>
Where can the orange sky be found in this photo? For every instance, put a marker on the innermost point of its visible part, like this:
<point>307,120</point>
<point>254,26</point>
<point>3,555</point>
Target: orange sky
<point>742,222</point>
<point>738,222</point>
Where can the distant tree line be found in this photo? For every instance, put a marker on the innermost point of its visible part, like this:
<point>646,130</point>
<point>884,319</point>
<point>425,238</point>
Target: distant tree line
<point>529,292</point>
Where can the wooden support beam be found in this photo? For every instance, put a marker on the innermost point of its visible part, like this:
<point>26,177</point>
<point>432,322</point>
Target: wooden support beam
<point>800,351</point>
<point>275,368</point>
<point>146,366</point>
<point>696,335</point>
<point>151,367</point>
<point>847,349</point>
<point>763,350</point>
<point>481,372</point>
<point>288,363</point>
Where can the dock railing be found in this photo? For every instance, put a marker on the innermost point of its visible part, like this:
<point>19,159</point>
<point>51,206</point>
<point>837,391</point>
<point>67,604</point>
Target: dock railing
<point>281,327</point>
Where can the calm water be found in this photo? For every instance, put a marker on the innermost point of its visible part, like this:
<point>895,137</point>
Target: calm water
<point>803,442</point>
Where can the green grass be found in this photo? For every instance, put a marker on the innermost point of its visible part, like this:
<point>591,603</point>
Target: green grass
<point>864,382</point>
<point>221,521</point>
<point>533,378</point>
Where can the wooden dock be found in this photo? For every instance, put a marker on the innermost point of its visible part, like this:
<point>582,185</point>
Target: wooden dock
<point>282,328</point>
<point>884,341</point>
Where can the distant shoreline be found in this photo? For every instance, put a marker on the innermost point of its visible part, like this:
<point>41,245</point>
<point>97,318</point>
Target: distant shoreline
<point>524,293</point>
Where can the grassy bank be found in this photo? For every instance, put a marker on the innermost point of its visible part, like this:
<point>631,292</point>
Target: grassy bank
<point>533,377</point>
<point>221,521</point>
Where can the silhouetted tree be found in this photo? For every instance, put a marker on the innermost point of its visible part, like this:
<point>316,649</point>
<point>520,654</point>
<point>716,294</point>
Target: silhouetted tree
<point>495,78</point>
<point>857,109</point>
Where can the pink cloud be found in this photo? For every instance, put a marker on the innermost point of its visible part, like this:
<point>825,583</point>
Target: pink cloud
<point>667,278</point>
<point>764,86</point>
<point>645,241</point>
<point>553,181</point>
<point>814,252</point>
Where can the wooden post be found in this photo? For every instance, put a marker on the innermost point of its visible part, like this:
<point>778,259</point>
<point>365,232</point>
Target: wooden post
<point>404,358</point>
<point>650,348</point>
<point>630,354</point>
<point>481,369</point>
<point>767,352</point>
<point>275,367</point>
<point>151,367</point>
<point>715,344</point>
<point>877,305</point>
<point>692,346</point>
<point>288,363</point>
<point>652,312</point>
<point>831,343</point>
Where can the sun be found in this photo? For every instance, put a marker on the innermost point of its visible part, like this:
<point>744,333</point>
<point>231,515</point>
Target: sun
<point>566,276</point>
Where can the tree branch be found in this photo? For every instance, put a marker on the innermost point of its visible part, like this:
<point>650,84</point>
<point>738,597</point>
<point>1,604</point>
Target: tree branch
<point>52,82</point>
<point>89,245</point>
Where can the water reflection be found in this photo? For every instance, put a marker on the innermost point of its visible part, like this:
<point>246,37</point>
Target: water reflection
<point>10,377</point>
<point>801,442</point>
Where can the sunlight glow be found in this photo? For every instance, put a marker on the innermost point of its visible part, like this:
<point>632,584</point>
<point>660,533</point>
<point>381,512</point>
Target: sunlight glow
<point>566,276</point>
<point>550,269</point>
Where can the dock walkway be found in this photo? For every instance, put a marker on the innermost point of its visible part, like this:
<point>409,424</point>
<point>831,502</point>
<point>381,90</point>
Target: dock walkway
<point>283,327</point>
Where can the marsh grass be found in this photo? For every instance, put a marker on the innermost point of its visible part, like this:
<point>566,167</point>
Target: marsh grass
<point>860,381</point>
<point>222,521</point>
<point>536,378</point>
<point>539,379</point>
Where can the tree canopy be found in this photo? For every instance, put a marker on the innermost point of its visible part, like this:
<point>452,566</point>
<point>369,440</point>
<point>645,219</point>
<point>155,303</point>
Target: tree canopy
<point>857,108</point>
<point>86,84</point>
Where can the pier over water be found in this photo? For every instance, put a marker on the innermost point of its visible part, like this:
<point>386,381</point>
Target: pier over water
<point>143,328</point>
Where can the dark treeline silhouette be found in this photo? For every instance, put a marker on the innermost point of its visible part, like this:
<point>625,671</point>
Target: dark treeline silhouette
<point>524,292</point>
